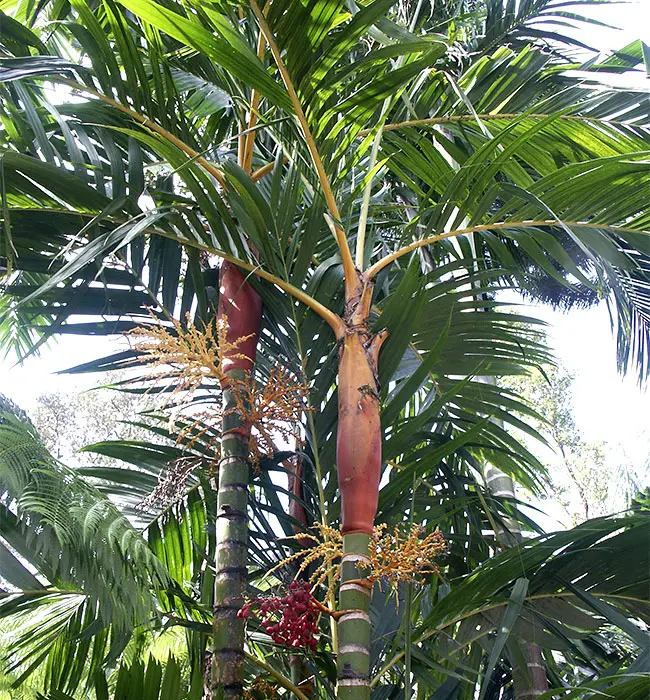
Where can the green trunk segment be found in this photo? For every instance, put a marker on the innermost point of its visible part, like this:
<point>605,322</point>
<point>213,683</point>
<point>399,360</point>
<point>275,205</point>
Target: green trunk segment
<point>232,543</point>
<point>353,661</point>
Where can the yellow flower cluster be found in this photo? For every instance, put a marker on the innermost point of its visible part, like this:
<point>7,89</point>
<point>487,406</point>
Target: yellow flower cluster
<point>189,357</point>
<point>403,555</point>
<point>260,689</point>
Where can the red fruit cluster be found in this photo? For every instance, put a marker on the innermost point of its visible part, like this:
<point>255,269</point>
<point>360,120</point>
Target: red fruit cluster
<point>291,621</point>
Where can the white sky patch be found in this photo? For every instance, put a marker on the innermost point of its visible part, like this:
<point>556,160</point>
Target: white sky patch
<point>630,21</point>
<point>607,407</point>
<point>23,384</point>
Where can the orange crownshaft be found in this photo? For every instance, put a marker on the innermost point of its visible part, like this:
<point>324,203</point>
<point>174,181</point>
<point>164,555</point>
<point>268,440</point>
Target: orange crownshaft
<point>241,308</point>
<point>358,442</point>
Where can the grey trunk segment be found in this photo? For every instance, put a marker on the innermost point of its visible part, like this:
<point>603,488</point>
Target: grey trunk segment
<point>508,532</point>
<point>530,682</point>
<point>232,549</point>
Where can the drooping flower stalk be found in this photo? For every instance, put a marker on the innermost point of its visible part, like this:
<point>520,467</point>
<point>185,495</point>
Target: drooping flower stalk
<point>358,457</point>
<point>240,308</point>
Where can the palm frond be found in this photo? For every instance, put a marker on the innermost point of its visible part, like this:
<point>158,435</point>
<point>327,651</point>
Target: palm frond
<point>81,537</point>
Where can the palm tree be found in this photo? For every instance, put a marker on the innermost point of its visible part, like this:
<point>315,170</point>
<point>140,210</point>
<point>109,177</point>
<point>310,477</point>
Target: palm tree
<point>320,149</point>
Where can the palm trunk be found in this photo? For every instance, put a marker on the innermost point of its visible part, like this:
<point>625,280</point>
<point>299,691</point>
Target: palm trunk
<point>296,507</point>
<point>241,308</point>
<point>529,682</point>
<point>299,676</point>
<point>359,464</point>
<point>501,485</point>
<point>299,671</point>
<point>353,660</point>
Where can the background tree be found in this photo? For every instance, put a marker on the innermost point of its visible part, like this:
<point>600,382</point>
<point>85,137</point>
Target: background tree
<point>588,479</point>
<point>68,421</point>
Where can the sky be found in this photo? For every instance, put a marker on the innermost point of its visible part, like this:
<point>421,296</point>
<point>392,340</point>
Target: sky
<point>628,21</point>
<point>24,383</point>
<point>606,406</point>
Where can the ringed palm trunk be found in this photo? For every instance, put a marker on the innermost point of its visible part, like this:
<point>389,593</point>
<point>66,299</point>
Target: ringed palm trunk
<point>358,457</point>
<point>241,309</point>
<point>530,681</point>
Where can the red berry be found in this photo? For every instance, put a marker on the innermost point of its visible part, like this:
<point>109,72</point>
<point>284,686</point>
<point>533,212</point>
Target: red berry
<point>296,616</point>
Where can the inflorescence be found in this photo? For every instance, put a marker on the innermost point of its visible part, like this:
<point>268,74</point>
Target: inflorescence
<point>292,620</point>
